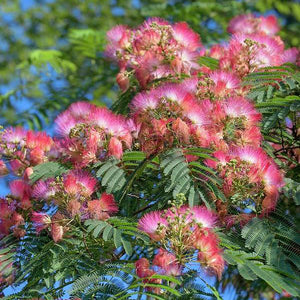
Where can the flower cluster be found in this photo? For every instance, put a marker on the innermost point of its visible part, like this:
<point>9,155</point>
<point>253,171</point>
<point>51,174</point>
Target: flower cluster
<point>196,107</point>
<point>91,133</point>
<point>248,24</point>
<point>181,232</point>
<point>154,50</point>
<point>253,45</point>
<point>71,193</point>
<point>251,179</point>
<point>24,149</point>
<point>176,114</point>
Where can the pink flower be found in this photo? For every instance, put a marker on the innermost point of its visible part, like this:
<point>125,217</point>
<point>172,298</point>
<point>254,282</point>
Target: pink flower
<point>167,262</point>
<point>64,123</point>
<point>291,55</point>
<point>73,207</point>
<point>224,80</point>
<point>182,130</point>
<point>206,218</point>
<point>244,24</point>
<point>43,190</point>
<point>142,266</point>
<point>38,140</point>
<point>79,182</point>
<point>144,101</point>
<point>115,148</point>
<point>250,24</point>
<point>215,263</point>
<point>57,232</point>
<point>118,37</point>
<point>269,25</point>
<point>154,225</point>
<point>222,159</point>
<point>40,221</point>
<point>123,80</point>
<point>239,107</point>
<point>3,168</point>
<point>6,209</point>
<point>16,166</point>
<point>102,209</point>
<point>186,37</point>
<point>13,135</point>
<point>22,191</point>
<point>81,109</point>
<point>149,38</point>
<point>155,20</point>
<point>27,173</point>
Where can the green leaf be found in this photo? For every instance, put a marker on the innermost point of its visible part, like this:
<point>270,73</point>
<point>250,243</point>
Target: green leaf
<point>107,233</point>
<point>117,237</point>
<point>47,170</point>
<point>127,246</point>
<point>209,62</point>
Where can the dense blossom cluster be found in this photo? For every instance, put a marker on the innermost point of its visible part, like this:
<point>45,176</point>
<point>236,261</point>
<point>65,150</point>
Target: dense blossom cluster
<point>90,133</point>
<point>154,50</point>
<point>71,193</point>
<point>251,179</point>
<point>181,232</point>
<point>196,107</point>
<point>158,49</point>
<point>175,114</point>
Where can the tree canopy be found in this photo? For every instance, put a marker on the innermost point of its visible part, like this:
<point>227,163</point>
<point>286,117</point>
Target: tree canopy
<point>151,149</point>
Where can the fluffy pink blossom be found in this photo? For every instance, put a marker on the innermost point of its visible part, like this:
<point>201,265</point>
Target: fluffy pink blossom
<point>204,217</point>
<point>44,190</point>
<point>22,192</point>
<point>239,107</point>
<point>142,267</point>
<point>79,183</point>
<point>248,52</point>
<point>291,55</point>
<point>155,50</point>
<point>13,135</point>
<point>250,24</point>
<point>167,262</point>
<point>40,221</point>
<point>186,37</point>
<point>102,208</point>
<point>224,79</point>
<point>153,224</point>
<point>57,232</point>
<point>87,130</point>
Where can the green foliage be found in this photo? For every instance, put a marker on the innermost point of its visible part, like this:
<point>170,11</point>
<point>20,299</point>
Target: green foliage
<point>41,58</point>
<point>88,42</point>
<point>276,92</point>
<point>112,176</point>
<point>194,178</point>
<point>209,62</point>
<point>47,170</point>
<point>120,231</point>
<point>267,251</point>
